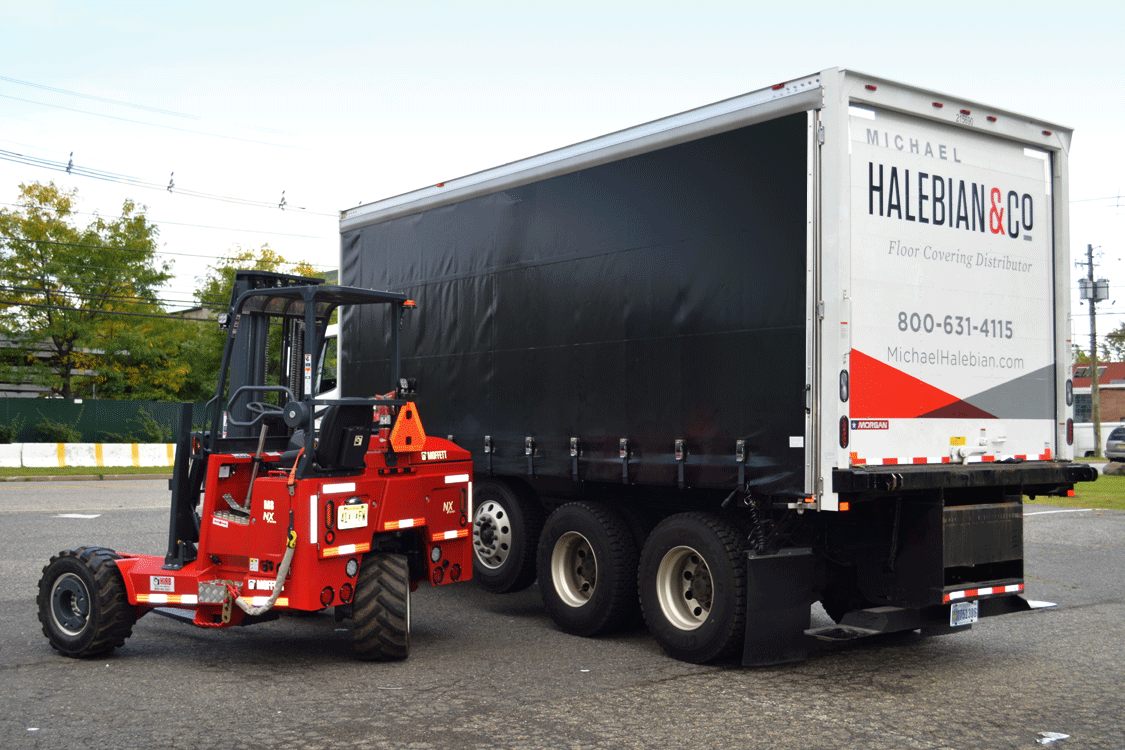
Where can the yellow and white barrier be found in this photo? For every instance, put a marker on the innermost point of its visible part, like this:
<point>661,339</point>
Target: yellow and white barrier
<point>52,455</point>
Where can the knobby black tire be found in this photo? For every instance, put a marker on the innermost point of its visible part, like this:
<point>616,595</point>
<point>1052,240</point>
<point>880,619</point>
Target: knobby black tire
<point>720,546</point>
<point>381,609</point>
<point>576,606</point>
<point>505,508</point>
<point>83,605</point>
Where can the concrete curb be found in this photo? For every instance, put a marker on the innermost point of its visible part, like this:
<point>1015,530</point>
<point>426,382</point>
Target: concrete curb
<point>85,478</point>
<point>92,455</point>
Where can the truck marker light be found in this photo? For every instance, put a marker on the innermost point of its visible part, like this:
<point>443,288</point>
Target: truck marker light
<point>1070,432</point>
<point>1070,493</point>
<point>938,105</point>
<point>778,86</point>
<point>869,87</point>
<point>990,118</point>
<point>327,595</point>
<point>346,592</point>
<point>845,435</point>
<point>845,505</point>
<point>966,112</point>
<point>1046,132</point>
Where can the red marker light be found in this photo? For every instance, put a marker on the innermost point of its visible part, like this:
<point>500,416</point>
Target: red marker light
<point>990,118</point>
<point>1070,493</point>
<point>966,112</point>
<point>779,86</point>
<point>869,87</point>
<point>327,595</point>
<point>1046,132</point>
<point>939,105</point>
<point>845,505</point>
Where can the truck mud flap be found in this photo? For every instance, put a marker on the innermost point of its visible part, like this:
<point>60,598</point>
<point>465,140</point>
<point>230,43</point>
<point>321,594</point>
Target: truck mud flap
<point>779,598</point>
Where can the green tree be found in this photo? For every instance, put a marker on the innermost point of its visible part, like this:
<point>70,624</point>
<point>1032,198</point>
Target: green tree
<point>65,290</point>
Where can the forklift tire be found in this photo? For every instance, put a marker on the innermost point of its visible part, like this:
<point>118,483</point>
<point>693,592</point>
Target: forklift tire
<point>507,520</point>
<point>692,580</point>
<point>588,569</point>
<point>82,602</point>
<point>381,608</point>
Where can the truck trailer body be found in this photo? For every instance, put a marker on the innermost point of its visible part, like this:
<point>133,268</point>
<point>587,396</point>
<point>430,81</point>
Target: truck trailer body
<point>807,343</point>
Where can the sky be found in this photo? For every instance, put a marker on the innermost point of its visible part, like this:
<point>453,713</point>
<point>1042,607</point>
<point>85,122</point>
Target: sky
<point>329,105</point>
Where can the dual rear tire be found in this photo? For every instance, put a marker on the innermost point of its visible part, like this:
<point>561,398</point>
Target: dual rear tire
<point>690,576</point>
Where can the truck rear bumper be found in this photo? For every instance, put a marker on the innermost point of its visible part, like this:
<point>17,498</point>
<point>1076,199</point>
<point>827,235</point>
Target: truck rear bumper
<point>1032,477</point>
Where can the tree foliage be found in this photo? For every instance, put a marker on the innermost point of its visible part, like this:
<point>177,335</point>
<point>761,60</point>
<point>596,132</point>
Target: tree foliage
<point>72,296</point>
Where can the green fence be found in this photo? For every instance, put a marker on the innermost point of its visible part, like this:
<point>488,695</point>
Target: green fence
<point>33,420</point>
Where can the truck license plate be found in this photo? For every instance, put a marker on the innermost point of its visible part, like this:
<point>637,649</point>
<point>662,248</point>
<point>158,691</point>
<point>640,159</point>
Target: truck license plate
<point>963,613</point>
<point>351,516</point>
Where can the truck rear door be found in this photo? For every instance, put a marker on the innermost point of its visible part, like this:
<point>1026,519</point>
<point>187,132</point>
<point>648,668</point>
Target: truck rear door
<point>952,325</point>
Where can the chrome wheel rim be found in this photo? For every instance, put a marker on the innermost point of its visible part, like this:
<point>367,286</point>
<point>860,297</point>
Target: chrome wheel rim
<point>492,535</point>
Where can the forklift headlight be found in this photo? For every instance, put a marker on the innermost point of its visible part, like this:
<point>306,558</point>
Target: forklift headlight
<point>352,567</point>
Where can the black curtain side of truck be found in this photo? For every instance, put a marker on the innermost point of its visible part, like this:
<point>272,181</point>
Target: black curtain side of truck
<point>626,335</point>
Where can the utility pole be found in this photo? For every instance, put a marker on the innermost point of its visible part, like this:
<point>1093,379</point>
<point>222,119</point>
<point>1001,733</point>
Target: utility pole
<point>1094,292</point>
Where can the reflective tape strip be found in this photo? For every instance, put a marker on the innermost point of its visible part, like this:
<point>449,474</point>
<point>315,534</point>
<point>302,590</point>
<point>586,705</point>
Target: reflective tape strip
<point>442,536</point>
<point>345,549</point>
<point>314,518</point>
<point>406,523</point>
<point>167,599</point>
<point>1014,588</point>
<point>456,478</point>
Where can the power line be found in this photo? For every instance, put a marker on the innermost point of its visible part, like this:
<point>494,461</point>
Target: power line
<point>104,312</point>
<point>97,174</point>
<point>153,124</point>
<point>103,99</point>
<point>141,250</point>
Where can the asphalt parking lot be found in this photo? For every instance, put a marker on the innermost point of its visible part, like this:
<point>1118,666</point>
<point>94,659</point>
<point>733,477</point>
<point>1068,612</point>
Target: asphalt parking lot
<point>493,672</point>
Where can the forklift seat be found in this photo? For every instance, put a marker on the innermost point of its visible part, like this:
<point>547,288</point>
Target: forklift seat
<point>344,433</point>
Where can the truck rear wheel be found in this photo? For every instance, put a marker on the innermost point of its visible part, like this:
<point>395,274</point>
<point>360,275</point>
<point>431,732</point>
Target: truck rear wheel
<point>381,609</point>
<point>588,569</point>
<point>506,524</point>
<point>692,580</point>
<point>82,602</point>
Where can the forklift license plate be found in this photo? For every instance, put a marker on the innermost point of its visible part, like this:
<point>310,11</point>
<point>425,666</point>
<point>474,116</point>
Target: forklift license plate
<point>963,613</point>
<point>351,516</point>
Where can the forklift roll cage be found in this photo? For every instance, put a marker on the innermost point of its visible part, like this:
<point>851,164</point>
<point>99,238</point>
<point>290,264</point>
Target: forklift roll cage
<point>301,305</point>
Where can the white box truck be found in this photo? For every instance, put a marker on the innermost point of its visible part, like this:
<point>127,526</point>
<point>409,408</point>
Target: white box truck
<point>809,343</point>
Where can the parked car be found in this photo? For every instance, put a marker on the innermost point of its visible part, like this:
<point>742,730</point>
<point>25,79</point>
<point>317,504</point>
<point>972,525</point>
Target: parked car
<point>1115,445</point>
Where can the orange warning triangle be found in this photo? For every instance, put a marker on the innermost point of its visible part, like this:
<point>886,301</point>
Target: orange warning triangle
<point>407,435</point>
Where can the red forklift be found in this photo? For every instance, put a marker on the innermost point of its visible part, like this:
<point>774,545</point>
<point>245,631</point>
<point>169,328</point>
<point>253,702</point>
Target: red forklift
<point>288,502</point>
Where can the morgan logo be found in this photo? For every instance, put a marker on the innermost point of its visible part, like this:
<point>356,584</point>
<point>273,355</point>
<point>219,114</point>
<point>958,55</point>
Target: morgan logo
<point>870,424</point>
<point>165,584</point>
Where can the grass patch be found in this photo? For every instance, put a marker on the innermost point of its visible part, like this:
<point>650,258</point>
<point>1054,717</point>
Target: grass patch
<point>72,471</point>
<point>1108,492</point>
